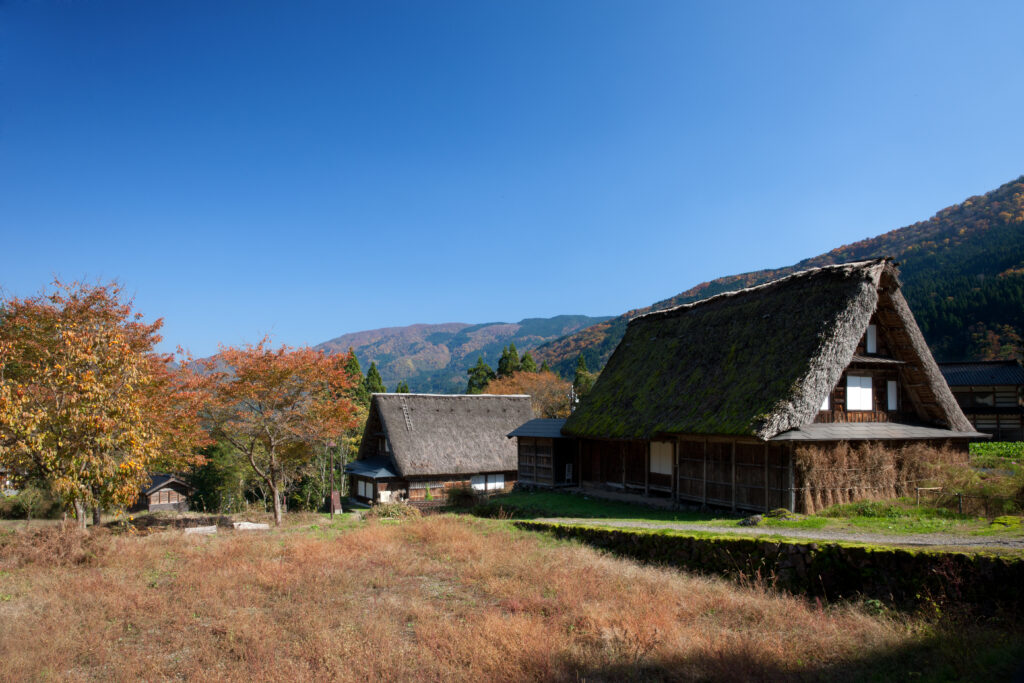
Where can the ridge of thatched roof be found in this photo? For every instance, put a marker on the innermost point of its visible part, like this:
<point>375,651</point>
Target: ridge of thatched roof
<point>754,362</point>
<point>436,434</point>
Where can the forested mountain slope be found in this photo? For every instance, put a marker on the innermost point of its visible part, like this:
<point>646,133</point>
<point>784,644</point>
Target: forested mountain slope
<point>962,270</point>
<point>434,358</point>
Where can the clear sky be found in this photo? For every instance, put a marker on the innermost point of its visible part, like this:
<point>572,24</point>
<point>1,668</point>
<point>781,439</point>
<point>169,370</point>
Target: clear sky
<point>307,169</point>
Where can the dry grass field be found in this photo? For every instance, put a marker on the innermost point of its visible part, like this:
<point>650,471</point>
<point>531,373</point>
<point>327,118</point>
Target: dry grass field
<point>438,598</point>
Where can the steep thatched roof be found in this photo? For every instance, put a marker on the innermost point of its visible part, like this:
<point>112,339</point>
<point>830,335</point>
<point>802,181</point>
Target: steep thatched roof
<point>436,434</point>
<point>759,361</point>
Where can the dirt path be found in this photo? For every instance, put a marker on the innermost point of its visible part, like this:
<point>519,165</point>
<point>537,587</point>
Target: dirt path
<point>943,540</point>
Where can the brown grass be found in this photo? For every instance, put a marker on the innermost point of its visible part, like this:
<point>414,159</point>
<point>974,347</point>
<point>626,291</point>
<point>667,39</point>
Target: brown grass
<point>437,598</point>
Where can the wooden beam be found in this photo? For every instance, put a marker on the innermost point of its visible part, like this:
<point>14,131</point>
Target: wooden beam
<point>675,470</point>
<point>704,493</point>
<point>647,469</point>
<point>732,458</point>
<point>766,501</point>
<point>792,489</point>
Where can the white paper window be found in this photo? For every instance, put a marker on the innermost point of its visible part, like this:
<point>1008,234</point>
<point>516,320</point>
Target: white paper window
<point>495,482</point>
<point>824,404</point>
<point>478,482</point>
<point>661,457</point>
<point>872,339</point>
<point>568,471</point>
<point>858,393</point>
<point>892,393</point>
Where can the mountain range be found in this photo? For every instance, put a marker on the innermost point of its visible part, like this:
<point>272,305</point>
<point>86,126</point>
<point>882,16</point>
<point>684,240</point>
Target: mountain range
<point>434,358</point>
<point>962,272</point>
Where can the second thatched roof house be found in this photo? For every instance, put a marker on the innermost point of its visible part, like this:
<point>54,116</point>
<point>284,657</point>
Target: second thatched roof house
<point>415,446</point>
<point>773,396</point>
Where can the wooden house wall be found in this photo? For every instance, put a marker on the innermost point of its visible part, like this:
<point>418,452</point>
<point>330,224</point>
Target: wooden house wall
<point>172,497</point>
<point>880,376</point>
<point>548,462</point>
<point>995,410</point>
<point>536,460</point>
<point>614,463</point>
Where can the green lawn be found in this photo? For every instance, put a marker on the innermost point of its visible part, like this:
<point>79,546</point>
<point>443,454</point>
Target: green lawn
<point>894,517</point>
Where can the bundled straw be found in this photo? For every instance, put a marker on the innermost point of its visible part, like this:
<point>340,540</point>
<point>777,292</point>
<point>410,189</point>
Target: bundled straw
<point>841,473</point>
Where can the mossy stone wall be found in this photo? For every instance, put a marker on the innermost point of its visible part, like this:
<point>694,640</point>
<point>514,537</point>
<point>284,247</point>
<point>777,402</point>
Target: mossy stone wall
<point>899,577</point>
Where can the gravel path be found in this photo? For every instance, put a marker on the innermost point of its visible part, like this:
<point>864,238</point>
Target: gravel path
<point>917,540</point>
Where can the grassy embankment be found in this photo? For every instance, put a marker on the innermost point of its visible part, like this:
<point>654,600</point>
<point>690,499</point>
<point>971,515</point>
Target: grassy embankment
<point>437,598</point>
<point>894,517</point>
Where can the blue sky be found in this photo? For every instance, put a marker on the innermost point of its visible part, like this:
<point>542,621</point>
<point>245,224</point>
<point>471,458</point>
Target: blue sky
<point>307,169</point>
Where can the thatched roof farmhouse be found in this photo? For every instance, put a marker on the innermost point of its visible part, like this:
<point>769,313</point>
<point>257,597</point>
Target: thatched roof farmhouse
<point>708,402</point>
<point>416,445</point>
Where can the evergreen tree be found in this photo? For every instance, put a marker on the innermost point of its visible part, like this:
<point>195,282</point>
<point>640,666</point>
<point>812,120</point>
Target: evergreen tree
<point>479,376</point>
<point>359,392</point>
<point>402,387</point>
<point>509,362</point>
<point>584,380</point>
<point>528,364</point>
<point>544,366</point>
<point>373,383</point>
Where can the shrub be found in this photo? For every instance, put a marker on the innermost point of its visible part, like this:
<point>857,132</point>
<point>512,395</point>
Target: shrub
<point>1008,450</point>
<point>31,502</point>
<point>462,496</point>
<point>393,511</point>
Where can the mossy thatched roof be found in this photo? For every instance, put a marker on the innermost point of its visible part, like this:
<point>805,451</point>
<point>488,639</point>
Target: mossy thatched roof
<point>755,362</point>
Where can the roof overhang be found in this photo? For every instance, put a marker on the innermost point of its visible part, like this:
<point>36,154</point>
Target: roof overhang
<point>372,468</point>
<point>543,428</point>
<point>873,431</point>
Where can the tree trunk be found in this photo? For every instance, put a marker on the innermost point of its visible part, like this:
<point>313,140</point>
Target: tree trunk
<point>80,514</point>
<point>96,516</point>
<point>277,505</point>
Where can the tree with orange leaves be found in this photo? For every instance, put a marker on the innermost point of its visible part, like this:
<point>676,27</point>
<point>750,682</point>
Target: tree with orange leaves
<point>549,394</point>
<point>86,405</point>
<point>275,407</point>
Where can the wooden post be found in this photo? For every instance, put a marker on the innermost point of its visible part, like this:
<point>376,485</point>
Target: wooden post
<point>647,469</point>
<point>622,462</point>
<point>792,490</point>
<point>675,469</point>
<point>767,502</point>
<point>704,492</point>
<point>732,458</point>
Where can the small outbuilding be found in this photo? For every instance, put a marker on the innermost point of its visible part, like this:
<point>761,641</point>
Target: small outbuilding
<point>166,493</point>
<point>810,390</point>
<point>991,394</point>
<point>546,458</point>
<point>416,446</point>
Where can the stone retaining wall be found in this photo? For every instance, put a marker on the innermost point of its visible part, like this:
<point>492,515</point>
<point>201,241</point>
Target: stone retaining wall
<point>899,577</point>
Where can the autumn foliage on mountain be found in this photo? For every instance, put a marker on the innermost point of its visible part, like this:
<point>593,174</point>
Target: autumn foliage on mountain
<point>962,271</point>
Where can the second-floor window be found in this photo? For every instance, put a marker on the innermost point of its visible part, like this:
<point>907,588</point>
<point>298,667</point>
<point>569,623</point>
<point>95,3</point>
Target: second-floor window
<point>858,393</point>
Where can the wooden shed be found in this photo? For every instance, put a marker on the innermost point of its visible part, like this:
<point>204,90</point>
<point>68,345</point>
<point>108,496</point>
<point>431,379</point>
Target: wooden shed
<point>546,458</point>
<point>711,402</point>
<point>415,446</point>
<point>166,493</point>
